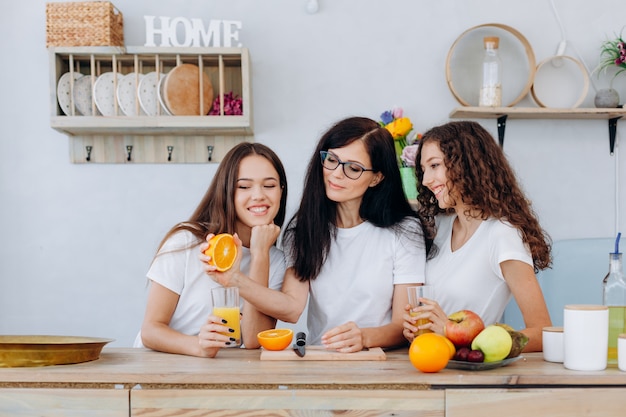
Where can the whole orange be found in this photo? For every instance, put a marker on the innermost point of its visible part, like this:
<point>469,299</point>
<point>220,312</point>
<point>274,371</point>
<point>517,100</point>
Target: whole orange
<point>222,250</point>
<point>275,339</point>
<point>429,352</point>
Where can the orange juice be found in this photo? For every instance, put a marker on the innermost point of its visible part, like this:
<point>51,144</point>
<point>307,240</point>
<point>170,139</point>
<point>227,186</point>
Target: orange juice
<point>231,315</point>
<point>420,323</point>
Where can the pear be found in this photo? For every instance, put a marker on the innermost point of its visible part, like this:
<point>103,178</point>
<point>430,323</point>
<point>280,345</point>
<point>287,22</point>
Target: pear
<point>495,342</point>
<point>520,340</point>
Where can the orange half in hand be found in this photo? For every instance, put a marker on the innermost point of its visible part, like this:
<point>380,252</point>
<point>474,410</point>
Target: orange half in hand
<point>275,339</point>
<point>222,250</point>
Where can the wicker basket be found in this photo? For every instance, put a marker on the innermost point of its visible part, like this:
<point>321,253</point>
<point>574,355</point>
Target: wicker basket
<point>89,23</point>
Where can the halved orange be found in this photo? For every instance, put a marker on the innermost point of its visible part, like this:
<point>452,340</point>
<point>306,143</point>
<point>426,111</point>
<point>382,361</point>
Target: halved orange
<point>275,339</point>
<point>222,250</point>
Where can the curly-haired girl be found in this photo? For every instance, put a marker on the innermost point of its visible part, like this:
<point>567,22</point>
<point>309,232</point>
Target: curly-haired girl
<point>489,241</point>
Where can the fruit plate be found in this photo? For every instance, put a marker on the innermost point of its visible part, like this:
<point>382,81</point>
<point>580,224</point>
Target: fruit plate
<point>482,366</point>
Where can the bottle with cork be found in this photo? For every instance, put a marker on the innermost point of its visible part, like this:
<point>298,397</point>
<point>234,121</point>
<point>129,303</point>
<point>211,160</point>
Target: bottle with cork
<point>614,297</point>
<point>491,86</point>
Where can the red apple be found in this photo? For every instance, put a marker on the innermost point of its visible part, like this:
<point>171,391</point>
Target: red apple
<point>462,327</point>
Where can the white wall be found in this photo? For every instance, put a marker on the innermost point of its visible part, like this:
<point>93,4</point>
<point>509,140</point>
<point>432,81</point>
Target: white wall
<point>76,240</point>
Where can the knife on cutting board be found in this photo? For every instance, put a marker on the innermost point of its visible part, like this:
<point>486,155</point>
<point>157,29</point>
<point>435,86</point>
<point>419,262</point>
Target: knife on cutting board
<point>299,346</point>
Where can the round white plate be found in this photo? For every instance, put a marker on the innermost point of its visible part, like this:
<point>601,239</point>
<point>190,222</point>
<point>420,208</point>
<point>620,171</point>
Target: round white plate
<point>127,94</point>
<point>64,92</point>
<point>164,109</point>
<point>148,93</point>
<point>83,95</point>
<point>104,92</point>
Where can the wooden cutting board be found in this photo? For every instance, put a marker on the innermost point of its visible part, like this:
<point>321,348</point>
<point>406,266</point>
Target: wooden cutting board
<point>319,353</point>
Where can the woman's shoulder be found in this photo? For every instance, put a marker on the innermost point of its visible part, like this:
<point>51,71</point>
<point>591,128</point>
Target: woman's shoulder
<point>500,229</point>
<point>180,239</point>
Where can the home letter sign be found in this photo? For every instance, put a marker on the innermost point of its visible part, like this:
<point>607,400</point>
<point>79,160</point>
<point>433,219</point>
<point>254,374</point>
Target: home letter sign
<point>180,31</point>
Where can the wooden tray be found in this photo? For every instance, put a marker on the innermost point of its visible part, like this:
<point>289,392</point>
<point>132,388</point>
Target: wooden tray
<point>319,353</point>
<point>17,351</point>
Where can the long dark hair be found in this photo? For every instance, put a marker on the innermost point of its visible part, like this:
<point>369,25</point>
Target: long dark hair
<point>480,175</point>
<point>216,211</point>
<point>315,223</point>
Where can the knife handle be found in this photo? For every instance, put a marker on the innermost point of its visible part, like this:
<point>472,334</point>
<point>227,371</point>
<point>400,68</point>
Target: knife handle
<point>300,338</point>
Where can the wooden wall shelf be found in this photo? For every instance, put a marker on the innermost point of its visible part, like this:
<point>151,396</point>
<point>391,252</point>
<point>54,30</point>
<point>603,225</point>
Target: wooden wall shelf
<point>154,137</point>
<point>502,113</point>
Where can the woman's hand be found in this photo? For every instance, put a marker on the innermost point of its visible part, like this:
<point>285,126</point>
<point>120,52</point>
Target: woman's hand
<point>226,278</point>
<point>263,237</point>
<point>210,337</point>
<point>430,310</point>
<point>345,338</point>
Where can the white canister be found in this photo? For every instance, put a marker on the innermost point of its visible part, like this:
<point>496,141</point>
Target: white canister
<point>585,337</point>
<point>552,339</point>
<point>621,352</point>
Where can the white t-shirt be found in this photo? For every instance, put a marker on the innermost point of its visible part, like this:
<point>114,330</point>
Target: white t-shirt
<point>470,278</point>
<point>181,272</point>
<point>357,280</point>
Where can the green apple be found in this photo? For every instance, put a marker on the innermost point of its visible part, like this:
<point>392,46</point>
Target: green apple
<point>495,343</point>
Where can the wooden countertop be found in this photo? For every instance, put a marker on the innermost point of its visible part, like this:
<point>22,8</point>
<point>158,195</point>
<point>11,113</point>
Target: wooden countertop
<point>242,369</point>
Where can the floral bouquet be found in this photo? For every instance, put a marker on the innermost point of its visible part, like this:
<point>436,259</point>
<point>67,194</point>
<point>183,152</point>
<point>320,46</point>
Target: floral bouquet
<point>406,141</point>
<point>232,105</point>
<point>613,52</point>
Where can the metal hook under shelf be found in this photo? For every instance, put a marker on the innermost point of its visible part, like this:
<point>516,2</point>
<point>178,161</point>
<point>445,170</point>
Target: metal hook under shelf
<point>129,152</point>
<point>88,148</point>
<point>210,149</point>
<point>170,149</point>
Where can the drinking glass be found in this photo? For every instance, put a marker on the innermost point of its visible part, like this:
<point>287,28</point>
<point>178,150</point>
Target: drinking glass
<point>415,293</point>
<point>226,306</point>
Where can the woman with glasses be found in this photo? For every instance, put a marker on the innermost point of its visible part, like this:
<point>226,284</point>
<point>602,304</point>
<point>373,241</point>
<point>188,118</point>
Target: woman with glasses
<point>352,248</point>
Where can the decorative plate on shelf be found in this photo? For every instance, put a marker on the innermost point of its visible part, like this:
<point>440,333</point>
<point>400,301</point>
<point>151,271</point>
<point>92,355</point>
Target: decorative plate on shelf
<point>148,93</point>
<point>164,109</point>
<point>480,366</point>
<point>127,94</point>
<point>464,64</point>
<point>181,91</point>
<point>83,94</point>
<point>104,90</point>
<point>64,91</point>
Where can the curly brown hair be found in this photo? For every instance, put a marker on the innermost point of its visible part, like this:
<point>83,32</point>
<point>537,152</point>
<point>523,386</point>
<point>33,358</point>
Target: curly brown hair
<point>478,172</point>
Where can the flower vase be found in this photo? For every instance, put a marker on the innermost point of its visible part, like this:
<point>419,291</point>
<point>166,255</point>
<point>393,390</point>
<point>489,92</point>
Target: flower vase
<point>606,98</point>
<point>409,182</point>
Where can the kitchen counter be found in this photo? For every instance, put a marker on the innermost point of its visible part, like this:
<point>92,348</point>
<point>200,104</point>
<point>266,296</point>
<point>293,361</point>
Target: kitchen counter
<point>154,383</point>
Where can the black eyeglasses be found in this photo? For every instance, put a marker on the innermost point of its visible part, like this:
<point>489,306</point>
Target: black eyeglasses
<point>352,170</point>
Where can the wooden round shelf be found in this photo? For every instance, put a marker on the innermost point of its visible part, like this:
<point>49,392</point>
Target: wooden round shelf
<point>464,64</point>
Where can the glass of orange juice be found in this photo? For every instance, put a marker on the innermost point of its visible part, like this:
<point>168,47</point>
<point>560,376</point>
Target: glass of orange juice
<point>226,306</point>
<point>415,293</point>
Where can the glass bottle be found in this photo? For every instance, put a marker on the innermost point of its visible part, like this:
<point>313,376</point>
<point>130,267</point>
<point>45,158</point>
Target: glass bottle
<point>491,86</point>
<point>614,296</point>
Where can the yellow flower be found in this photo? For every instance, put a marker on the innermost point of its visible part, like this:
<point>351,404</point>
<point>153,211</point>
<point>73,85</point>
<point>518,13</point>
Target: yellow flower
<point>399,128</point>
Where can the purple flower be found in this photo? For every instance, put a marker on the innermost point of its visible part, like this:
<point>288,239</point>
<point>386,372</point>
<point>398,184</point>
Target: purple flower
<point>232,105</point>
<point>397,112</point>
<point>409,153</point>
<point>386,117</point>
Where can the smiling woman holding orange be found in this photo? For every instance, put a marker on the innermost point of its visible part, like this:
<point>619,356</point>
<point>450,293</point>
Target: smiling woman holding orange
<point>247,197</point>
